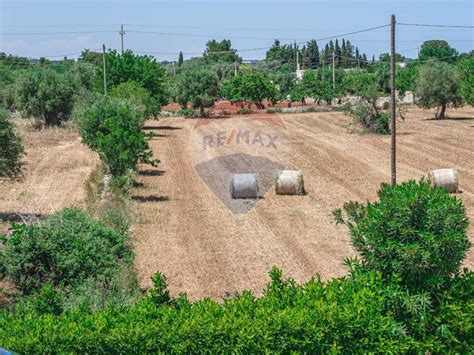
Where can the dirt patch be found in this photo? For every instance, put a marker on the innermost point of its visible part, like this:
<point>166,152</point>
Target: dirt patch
<point>206,250</point>
<point>55,168</point>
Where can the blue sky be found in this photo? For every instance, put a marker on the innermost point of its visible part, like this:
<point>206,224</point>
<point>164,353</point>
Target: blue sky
<point>249,24</point>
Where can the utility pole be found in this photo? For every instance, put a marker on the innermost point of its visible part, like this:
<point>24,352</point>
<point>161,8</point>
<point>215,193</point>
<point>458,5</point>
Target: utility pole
<point>393,108</point>
<point>105,76</point>
<point>333,70</point>
<point>122,32</point>
<point>235,68</point>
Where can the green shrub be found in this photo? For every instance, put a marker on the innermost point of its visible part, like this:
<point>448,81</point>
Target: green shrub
<point>415,232</point>
<point>346,315</point>
<point>113,128</point>
<point>186,112</point>
<point>141,69</point>
<point>245,111</point>
<point>46,94</point>
<point>365,110</point>
<point>140,96</point>
<point>11,149</point>
<point>64,250</point>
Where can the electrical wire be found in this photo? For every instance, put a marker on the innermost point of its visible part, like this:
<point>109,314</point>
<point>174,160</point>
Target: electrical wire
<point>434,25</point>
<point>53,33</point>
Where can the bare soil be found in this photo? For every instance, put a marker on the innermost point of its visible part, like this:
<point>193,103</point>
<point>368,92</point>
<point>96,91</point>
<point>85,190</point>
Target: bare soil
<point>185,231</point>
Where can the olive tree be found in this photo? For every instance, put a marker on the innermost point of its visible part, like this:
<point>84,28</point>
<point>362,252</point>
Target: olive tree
<point>11,149</point>
<point>437,87</point>
<point>46,94</point>
<point>198,86</point>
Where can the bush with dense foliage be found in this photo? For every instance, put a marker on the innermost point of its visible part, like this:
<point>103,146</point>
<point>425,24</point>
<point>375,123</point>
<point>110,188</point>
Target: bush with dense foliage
<point>437,87</point>
<point>250,88</point>
<point>365,110</point>
<point>466,85</point>
<point>414,232</point>
<point>133,92</point>
<point>342,315</point>
<point>11,148</point>
<point>141,69</point>
<point>64,250</point>
<point>197,86</point>
<point>46,94</point>
<point>113,128</point>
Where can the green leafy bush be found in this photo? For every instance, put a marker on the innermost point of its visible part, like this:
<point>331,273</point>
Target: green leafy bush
<point>133,92</point>
<point>141,69</point>
<point>415,232</point>
<point>341,315</point>
<point>365,110</point>
<point>46,94</point>
<point>64,250</point>
<point>253,87</point>
<point>11,148</point>
<point>113,128</point>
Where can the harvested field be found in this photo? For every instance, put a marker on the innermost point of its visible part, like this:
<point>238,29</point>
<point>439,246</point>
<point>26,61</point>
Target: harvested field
<point>55,168</point>
<point>183,230</point>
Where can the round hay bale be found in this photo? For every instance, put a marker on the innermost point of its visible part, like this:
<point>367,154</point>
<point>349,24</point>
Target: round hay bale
<point>445,178</point>
<point>244,186</point>
<point>289,182</point>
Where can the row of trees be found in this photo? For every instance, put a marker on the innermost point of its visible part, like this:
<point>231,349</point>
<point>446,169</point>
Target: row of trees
<point>55,92</point>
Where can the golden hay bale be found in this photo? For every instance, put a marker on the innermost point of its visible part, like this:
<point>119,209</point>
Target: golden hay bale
<point>244,186</point>
<point>289,182</point>
<point>445,178</point>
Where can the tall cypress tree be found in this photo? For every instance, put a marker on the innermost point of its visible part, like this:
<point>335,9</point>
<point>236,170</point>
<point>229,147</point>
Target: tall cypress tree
<point>311,55</point>
<point>180,59</point>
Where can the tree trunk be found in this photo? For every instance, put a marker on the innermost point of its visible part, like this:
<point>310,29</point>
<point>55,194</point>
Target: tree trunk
<point>201,111</point>
<point>440,115</point>
<point>51,120</point>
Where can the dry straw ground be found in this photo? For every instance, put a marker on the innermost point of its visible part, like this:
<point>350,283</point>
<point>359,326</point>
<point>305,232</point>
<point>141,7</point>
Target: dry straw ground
<point>183,230</point>
<point>55,167</point>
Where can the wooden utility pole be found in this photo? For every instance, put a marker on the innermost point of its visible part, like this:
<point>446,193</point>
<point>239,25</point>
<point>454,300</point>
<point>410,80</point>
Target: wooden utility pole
<point>105,75</point>
<point>392,107</point>
<point>333,70</point>
<point>122,32</point>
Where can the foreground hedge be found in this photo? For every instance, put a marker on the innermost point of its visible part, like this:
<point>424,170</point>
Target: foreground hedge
<point>353,314</point>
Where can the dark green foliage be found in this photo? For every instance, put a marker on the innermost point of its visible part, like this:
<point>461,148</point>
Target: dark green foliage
<point>180,59</point>
<point>132,91</point>
<point>198,86</point>
<point>220,51</point>
<point>437,49</point>
<point>64,250</point>
<point>11,148</point>
<point>250,88</point>
<point>437,87</point>
<point>141,69</point>
<point>414,231</point>
<point>406,78</point>
<point>466,85</point>
<point>113,128</point>
<point>342,315</point>
<point>46,93</point>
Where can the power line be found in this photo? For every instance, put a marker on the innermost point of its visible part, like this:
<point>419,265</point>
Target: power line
<point>435,25</point>
<point>53,33</point>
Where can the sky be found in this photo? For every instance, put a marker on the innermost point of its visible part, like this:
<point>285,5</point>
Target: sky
<point>187,25</point>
